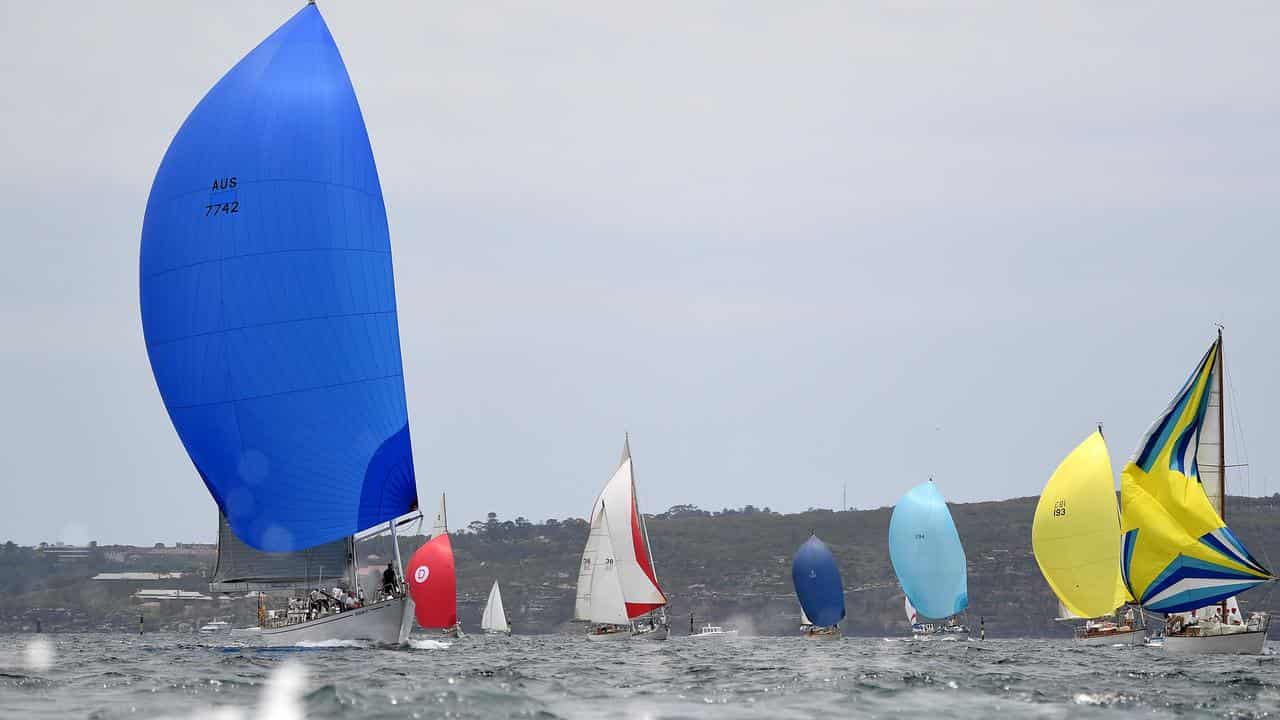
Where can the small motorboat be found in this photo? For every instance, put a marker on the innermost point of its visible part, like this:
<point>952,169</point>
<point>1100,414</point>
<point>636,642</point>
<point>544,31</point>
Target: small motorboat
<point>214,627</point>
<point>716,631</point>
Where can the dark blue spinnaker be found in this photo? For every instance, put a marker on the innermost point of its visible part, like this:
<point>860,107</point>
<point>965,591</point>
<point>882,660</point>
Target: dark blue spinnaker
<point>268,303</point>
<point>818,584</point>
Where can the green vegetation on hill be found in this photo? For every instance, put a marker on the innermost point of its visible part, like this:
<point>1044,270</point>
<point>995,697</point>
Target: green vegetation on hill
<point>735,565</point>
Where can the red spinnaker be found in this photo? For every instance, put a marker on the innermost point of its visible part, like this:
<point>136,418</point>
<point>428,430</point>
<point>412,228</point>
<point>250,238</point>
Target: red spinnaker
<point>433,584</point>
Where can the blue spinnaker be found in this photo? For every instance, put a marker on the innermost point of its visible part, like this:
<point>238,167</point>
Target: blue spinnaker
<point>818,584</point>
<point>268,303</point>
<point>926,553</point>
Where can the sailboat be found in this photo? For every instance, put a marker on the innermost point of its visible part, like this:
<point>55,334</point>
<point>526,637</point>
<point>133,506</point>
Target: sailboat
<point>494,619</point>
<point>818,588</point>
<point>1178,555</point>
<point>1075,536</point>
<point>269,314</point>
<point>929,561</point>
<point>618,591</point>
<point>433,580</point>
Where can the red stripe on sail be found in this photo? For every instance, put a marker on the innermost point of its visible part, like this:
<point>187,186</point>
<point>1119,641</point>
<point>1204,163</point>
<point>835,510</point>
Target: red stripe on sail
<point>635,610</point>
<point>642,552</point>
<point>433,585</point>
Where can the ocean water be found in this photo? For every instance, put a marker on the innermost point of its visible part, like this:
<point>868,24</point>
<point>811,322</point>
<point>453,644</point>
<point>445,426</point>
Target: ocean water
<point>176,676</point>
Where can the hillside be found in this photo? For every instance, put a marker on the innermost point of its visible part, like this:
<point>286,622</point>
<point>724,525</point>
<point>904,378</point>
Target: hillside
<point>726,566</point>
<point>735,565</point>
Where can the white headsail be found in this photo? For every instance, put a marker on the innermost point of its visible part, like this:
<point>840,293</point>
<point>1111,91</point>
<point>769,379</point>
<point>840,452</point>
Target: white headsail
<point>605,602</point>
<point>582,605</point>
<point>495,616</point>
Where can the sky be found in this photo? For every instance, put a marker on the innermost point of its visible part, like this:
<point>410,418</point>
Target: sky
<point>789,247</point>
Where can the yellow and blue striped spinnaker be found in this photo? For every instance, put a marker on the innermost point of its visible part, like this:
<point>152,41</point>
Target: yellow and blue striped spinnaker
<point>1177,553</point>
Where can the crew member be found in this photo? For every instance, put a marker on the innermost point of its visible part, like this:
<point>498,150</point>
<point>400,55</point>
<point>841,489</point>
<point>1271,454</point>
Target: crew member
<point>389,580</point>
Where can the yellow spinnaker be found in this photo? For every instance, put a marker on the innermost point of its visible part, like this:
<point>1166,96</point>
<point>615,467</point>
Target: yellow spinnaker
<point>1076,532</point>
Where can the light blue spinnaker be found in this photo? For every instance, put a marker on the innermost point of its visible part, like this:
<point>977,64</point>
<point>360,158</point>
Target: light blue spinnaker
<point>926,553</point>
<point>817,582</point>
<point>268,304</point>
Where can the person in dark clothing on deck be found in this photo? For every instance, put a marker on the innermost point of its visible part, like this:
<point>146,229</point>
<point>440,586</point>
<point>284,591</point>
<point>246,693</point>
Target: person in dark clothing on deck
<point>389,580</point>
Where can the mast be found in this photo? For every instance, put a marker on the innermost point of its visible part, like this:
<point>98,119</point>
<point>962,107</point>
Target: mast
<point>1222,452</point>
<point>395,550</point>
<point>1222,431</point>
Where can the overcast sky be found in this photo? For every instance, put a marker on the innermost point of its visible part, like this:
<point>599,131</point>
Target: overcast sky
<point>786,245</point>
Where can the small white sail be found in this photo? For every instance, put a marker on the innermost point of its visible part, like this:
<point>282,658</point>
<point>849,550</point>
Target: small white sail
<point>495,616</point>
<point>804,619</point>
<point>1065,614</point>
<point>441,525</point>
<point>912,616</point>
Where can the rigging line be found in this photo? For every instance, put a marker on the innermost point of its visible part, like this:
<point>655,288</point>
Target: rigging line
<point>1237,426</point>
<point>1244,448</point>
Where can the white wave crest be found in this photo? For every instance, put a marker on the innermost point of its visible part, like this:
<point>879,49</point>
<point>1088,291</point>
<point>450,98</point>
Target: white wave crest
<point>38,655</point>
<point>281,699</point>
<point>328,643</point>
<point>425,644</point>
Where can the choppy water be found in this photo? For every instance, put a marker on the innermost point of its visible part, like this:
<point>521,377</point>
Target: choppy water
<point>169,676</point>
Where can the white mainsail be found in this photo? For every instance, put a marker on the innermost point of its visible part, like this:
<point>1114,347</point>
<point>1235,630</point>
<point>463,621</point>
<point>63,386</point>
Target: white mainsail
<point>804,619</point>
<point>441,525</point>
<point>495,615</point>
<point>1209,450</point>
<point>912,616</point>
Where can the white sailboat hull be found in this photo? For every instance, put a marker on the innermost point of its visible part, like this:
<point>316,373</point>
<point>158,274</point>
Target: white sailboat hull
<point>659,633</point>
<point>387,622</point>
<point>1243,643</point>
<point>1135,636</point>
